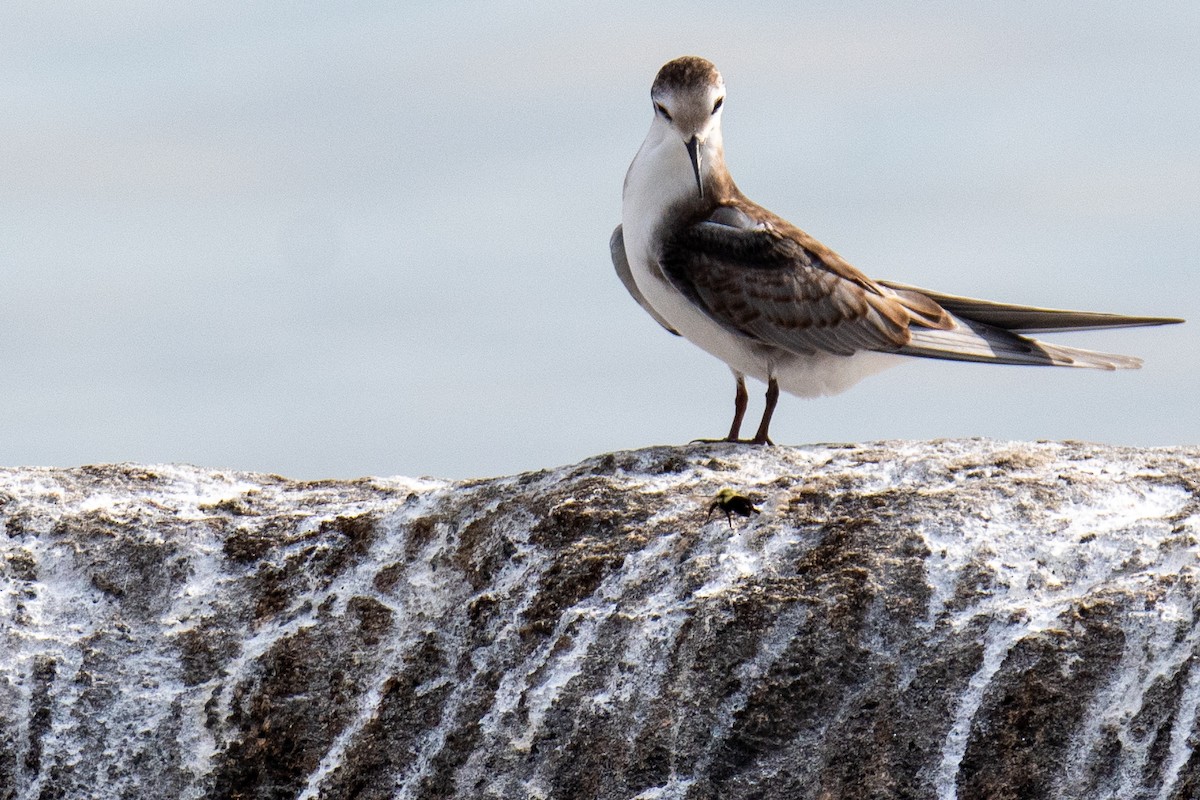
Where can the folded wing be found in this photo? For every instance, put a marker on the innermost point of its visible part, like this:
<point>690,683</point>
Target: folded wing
<point>789,292</point>
<point>768,286</point>
<point>616,247</point>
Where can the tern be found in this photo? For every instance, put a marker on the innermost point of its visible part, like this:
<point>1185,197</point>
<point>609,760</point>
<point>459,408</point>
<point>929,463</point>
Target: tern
<point>771,301</point>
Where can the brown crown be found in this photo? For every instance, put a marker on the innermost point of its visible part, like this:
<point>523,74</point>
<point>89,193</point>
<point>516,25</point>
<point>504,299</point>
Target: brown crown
<point>686,72</point>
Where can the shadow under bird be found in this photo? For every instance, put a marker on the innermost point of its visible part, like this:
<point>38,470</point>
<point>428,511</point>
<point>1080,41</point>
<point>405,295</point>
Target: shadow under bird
<point>771,301</point>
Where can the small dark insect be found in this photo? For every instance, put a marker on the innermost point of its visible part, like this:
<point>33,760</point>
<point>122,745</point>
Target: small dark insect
<point>732,503</point>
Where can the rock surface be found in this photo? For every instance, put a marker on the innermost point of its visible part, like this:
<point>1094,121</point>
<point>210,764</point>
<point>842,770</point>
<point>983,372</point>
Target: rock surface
<point>955,619</point>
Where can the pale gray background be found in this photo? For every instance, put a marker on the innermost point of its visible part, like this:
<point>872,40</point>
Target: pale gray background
<point>371,238</point>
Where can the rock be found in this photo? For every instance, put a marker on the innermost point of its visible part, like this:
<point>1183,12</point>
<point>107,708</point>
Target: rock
<point>952,619</point>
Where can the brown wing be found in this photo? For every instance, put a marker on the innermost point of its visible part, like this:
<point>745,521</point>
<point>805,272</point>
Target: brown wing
<point>787,290</point>
<point>770,286</point>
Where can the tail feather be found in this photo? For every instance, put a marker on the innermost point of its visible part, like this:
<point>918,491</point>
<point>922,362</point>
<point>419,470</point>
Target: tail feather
<point>1028,319</point>
<point>975,341</point>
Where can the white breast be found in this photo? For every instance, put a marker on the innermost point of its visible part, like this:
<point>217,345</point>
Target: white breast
<point>660,176</point>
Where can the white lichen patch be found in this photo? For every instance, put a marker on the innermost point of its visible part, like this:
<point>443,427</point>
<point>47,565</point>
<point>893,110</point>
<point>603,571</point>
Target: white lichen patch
<point>594,626</point>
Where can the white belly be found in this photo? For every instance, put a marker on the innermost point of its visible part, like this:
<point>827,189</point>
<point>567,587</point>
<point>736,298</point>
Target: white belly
<point>804,375</point>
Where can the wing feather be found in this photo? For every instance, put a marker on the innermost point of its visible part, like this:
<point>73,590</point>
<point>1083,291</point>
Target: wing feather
<point>767,285</point>
<point>777,284</point>
<point>616,246</point>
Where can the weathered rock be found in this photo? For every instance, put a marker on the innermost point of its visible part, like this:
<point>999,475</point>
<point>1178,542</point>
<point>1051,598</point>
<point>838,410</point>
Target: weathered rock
<point>933,620</point>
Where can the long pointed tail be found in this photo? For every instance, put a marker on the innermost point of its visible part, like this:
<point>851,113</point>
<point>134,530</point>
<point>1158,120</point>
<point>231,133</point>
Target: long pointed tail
<point>990,332</point>
<point>1028,319</point>
<point>974,341</point>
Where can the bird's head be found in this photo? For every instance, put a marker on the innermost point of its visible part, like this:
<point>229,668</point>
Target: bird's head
<point>688,95</point>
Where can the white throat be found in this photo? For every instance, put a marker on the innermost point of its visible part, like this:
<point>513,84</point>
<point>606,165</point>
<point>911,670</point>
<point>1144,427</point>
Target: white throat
<point>661,180</point>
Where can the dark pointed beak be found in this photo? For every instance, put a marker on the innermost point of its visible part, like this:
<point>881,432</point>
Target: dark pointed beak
<point>693,148</point>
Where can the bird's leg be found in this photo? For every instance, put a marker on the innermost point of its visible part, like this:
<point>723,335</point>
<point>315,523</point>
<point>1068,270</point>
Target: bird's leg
<point>740,399</point>
<point>761,436</point>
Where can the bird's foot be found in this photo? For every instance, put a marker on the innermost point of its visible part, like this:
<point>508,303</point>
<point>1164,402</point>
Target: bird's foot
<point>727,440</point>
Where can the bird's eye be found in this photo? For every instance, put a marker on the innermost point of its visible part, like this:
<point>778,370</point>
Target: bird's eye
<point>717,105</point>
<point>660,108</point>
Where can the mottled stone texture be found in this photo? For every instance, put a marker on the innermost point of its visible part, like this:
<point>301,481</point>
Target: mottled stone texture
<point>965,619</point>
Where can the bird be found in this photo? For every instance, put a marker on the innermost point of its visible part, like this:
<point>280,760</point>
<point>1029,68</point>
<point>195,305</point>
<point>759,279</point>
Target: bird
<point>772,302</point>
<point>729,501</point>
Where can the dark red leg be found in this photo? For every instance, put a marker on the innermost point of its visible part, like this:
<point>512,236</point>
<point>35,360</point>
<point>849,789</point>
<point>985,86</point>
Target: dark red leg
<point>761,436</point>
<point>740,399</point>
